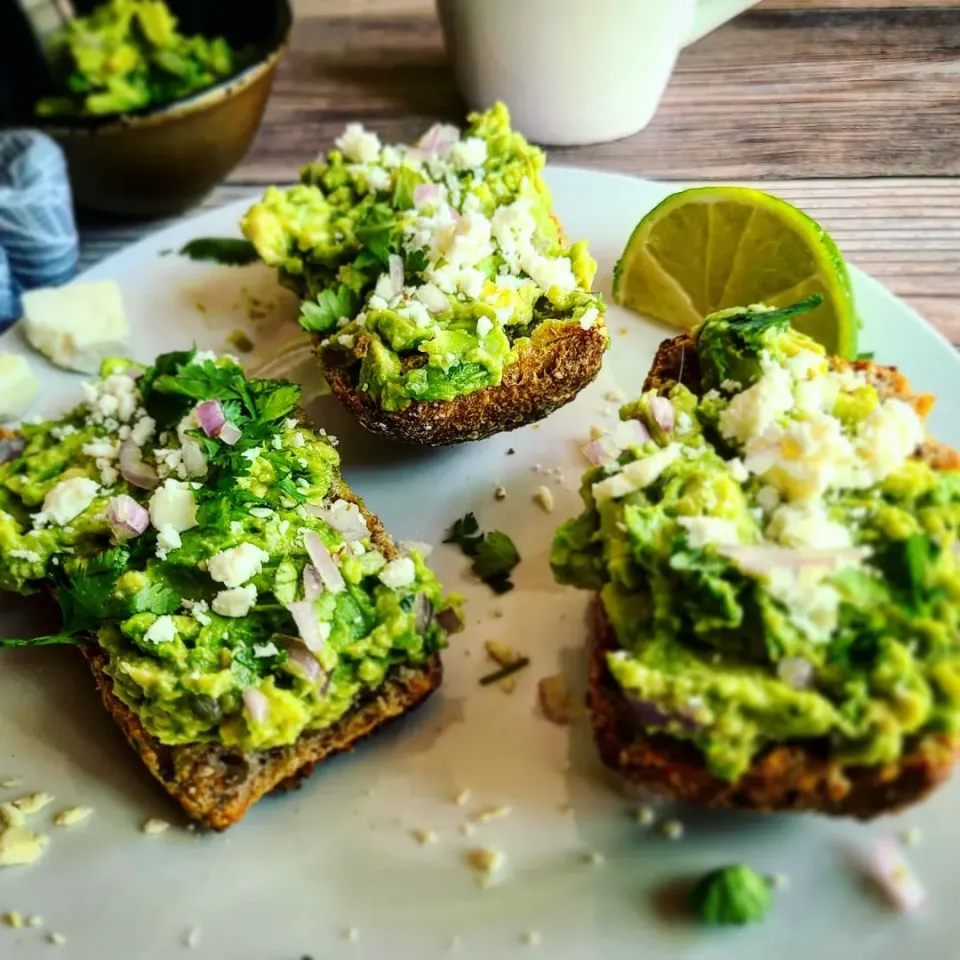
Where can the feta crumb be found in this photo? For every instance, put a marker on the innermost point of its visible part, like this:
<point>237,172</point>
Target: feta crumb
<point>589,318</point>
<point>162,630</point>
<point>673,829</point>
<point>544,498</point>
<point>192,939</point>
<point>34,921</point>
<point>72,816</point>
<point>235,603</point>
<point>358,144</point>
<point>398,573</point>
<point>234,566</point>
<point>425,837</point>
<point>261,650</point>
<point>68,499</point>
<point>154,826</point>
<point>492,813</point>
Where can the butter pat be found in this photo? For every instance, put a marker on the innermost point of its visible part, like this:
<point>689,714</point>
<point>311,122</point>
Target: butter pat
<point>77,326</point>
<point>18,386</point>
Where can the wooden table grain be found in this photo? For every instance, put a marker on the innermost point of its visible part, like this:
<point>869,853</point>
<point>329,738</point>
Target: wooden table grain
<point>846,109</point>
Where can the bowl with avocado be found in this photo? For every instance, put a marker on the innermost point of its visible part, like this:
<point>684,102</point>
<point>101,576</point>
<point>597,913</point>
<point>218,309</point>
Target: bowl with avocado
<point>153,101</point>
<point>772,539</point>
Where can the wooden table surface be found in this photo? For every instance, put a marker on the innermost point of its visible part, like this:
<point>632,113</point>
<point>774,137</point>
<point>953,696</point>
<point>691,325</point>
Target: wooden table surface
<point>847,109</point>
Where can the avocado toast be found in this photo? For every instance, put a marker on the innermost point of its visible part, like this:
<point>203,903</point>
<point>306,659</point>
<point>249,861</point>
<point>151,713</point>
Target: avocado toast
<point>444,299</point>
<point>244,615</point>
<point>773,544</point>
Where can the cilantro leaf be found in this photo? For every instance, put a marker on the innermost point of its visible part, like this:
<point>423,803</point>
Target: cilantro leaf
<point>321,315</point>
<point>274,399</point>
<point>415,261</point>
<point>494,554</point>
<point>407,181</point>
<point>163,407</point>
<point>209,381</point>
<point>155,598</point>
<point>375,231</point>
<point>864,355</point>
<point>228,251</point>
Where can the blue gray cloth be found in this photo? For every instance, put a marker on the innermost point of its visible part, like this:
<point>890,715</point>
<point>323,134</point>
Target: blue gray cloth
<point>38,235</point>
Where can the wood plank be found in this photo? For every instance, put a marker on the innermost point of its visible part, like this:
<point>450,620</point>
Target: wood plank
<point>906,233</point>
<point>775,94</point>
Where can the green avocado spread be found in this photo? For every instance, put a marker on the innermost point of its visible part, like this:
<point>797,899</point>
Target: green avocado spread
<point>776,562</point>
<point>128,54</point>
<point>192,525</point>
<point>428,269</point>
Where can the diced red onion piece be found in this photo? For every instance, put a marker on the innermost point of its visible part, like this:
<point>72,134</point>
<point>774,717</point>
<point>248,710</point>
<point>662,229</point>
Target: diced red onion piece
<point>258,706</point>
<point>395,268</point>
<point>126,517</point>
<point>308,626</point>
<point>796,672</point>
<point>439,138</point>
<point>602,451</point>
<point>424,193</point>
<point>210,416</point>
<point>11,448</point>
<point>312,584</point>
<point>423,609</point>
<point>454,213</point>
<point>299,654</point>
<point>194,459</point>
<point>631,433</point>
<point>650,714</point>
<point>661,409</point>
<point>449,620</point>
<point>134,470</point>
<point>230,433</point>
<point>323,561</point>
<point>764,559</point>
<point>433,298</point>
<point>895,878</point>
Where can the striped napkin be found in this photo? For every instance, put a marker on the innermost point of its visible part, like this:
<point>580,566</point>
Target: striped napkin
<point>38,235</point>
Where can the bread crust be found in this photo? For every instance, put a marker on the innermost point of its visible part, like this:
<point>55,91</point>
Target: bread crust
<point>793,777</point>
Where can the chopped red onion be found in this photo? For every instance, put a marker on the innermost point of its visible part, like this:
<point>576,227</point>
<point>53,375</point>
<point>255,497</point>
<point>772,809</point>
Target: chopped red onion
<point>406,547</point>
<point>194,459</point>
<point>258,706</point>
<point>764,559</point>
<point>602,451</point>
<point>424,193</point>
<point>312,584</point>
<point>650,714</point>
<point>11,448</point>
<point>395,268</point>
<point>230,433</point>
<point>796,672</point>
<point>433,298</point>
<point>298,654</point>
<point>210,416</point>
<point>323,561</point>
<point>308,626</point>
<point>661,409</point>
<point>423,609</point>
<point>631,433</point>
<point>345,517</point>
<point>126,517</point>
<point>449,620</point>
<point>134,470</point>
<point>894,876</point>
<point>438,139</point>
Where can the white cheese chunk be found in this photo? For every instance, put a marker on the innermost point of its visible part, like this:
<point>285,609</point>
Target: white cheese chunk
<point>77,326</point>
<point>398,573</point>
<point>162,630</point>
<point>234,566</point>
<point>173,505</point>
<point>69,498</point>
<point>236,602</point>
<point>18,386</point>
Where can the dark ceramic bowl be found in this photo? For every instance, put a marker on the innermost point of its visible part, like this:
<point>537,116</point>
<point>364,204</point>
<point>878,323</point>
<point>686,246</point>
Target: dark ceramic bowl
<point>161,160</point>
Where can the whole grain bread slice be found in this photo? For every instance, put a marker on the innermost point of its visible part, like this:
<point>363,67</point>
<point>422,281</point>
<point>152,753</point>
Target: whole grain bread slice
<point>799,776</point>
<point>216,785</point>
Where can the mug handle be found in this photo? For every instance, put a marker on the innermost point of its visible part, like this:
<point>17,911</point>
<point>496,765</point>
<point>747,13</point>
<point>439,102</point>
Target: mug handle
<point>710,14</point>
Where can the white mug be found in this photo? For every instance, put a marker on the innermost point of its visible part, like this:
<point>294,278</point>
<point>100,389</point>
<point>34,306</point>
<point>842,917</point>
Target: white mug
<point>574,71</point>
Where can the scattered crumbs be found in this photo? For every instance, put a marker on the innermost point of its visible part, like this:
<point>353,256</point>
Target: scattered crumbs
<point>911,836</point>
<point>20,847</point>
<point>72,816</point>
<point>57,939</point>
<point>594,858</point>
<point>536,468</point>
<point>192,939</point>
<point>12,783</point>
<point>555,700</point>
<point>352,934</point>
<point>511,452</point>
<point>531,938</point>
<point>33,803</point>
<point>497,613</point>
<point>536,426</point>
<point>609,411</point>
<point>616,395</point>
<point>155,826</point>
<point>500,493</point>
<point>597,432</point>
<point>13,920</point>
<point>779,881</point>
<point>485,860</point>
<point>544,498</point>
<point>508,685</point>
<point>500,653</point>
<point>623,331</point>
<point>425,837</point>
<point>644,815</point>
<point>492,813</point>
<point>673,829</point>
<point>240,341</point>
<point>466,829</point>
<point>34,921</point>
<point>201,307</point>
<point>462,798</point>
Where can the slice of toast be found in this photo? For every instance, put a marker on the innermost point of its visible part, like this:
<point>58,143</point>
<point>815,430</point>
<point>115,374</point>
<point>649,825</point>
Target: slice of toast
<point>215,784</point>
<point>561,360</point>
<point>785,777</point>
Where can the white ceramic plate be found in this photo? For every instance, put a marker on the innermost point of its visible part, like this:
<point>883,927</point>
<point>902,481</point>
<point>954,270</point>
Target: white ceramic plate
<point>301,870</point>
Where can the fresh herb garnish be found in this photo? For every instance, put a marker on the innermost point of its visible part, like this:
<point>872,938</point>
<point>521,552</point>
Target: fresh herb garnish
<point>227,251</point>
<point>415,261</point>
<point>505,671</point>
<point>865,355</point>
<point>407,181</point>
<point>494,554</point>
<point>375,231</point>
<point>322,315</point>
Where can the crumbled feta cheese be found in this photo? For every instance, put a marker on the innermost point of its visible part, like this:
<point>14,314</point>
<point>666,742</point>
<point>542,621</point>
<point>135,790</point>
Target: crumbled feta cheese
<point>636,475</point>
<point>398,573</point>
<point>807,524</point>
<point>236,602</point>
<point>589,318</point>
<point>358,144</point>
<point>234,566</point>
<point>167,539</point>
<point>154,826</point>
<point>707,531</point>
<point>72,816</point>
<point>751,412</point>
<point>57,939</point>
<point>297,441</point>
<point>143,430</point>
<point>162,630</point>
<point>468,154</point>
<point>544,498</point>
<point>199,610</point>
<point>69,498</point>
<point>173,505</point>
<point>19,846</point>
<point>261,650</point>
<point>31,556</point>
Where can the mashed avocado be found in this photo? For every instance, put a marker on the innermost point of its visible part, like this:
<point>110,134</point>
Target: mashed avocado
<point>775,562</point>
<point>426,268</point>
<point>205,537</point>
<point>128,54</point>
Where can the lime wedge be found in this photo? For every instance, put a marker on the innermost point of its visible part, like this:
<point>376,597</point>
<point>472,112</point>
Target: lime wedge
<point>709,248</point>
